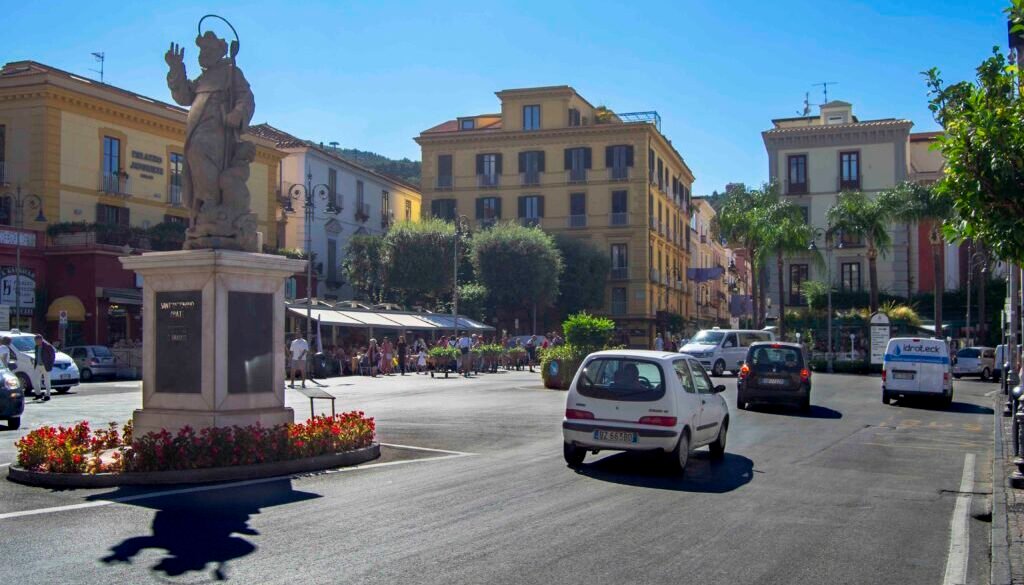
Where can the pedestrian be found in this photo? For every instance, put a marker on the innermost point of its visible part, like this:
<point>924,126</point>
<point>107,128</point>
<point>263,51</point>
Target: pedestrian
<point>6,353</point>
<point>659,343</point>
<point>373,357</point>
<point>46,355</point>
<point>421,361</point>
<point>299,350</point>
<point>386,350</point>
<point>531,350</point>
<point>403,354</point>
<point>464,344</point>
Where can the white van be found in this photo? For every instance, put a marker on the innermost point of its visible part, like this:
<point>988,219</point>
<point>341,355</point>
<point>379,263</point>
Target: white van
<point>915,366</point>
<point>719,350</point>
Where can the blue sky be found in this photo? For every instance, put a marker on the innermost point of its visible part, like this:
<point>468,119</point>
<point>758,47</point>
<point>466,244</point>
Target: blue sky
<point>374,74</point>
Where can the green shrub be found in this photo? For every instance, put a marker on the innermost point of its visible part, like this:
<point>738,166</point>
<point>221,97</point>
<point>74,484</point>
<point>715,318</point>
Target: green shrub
<point>816,293</point>
<point>441,354</point>
<point>588,332</point>
<point>567,359</point>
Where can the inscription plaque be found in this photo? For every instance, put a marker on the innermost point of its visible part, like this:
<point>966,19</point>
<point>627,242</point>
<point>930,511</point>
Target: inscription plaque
<point>250,342</point>
<point>179,341</point>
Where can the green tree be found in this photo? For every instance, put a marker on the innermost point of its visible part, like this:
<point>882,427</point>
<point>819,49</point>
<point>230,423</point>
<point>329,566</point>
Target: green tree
<point>584,275</point>
<point>738,222</point>
<point>474,301</point>
<point>418,256</point>
<point>783,234</point>
<point>364,266</point>
<point>520,266</point>
<point>855,213</point>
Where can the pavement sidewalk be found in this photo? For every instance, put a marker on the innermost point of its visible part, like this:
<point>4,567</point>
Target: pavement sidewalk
<point>1007,508</point>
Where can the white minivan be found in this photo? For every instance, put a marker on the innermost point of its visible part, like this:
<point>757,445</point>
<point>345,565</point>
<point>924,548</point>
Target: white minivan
<point>632,400</point>
<point>914,366</point>
<point>719,350</point>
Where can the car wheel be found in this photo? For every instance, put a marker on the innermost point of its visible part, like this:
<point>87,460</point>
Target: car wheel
<point>26,384</point>
<point>741,401</point>
<point>947,401</point>
<point>718,447</point>
<point>805,404</point>
<point>86,374</point>
<point>573,455</point>
<point>718,369</point>
<point>681,454</point>
<point>14,423</point>
<point>886,398</point>
<point>985,375</point>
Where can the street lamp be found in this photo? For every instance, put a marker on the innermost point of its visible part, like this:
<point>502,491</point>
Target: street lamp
<point>18,202</point>
<point>972,262</point>
<point>308,194</point>
<point>813,247</point>
<point>461,227</point>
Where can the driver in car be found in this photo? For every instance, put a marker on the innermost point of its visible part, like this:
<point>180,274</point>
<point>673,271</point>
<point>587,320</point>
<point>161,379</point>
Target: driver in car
<point>627,378</point>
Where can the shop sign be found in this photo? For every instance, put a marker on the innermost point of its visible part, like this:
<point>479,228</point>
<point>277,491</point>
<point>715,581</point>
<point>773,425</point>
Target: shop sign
<point>24,284</point>
<point>141,159</point>
<point>11,237</point>
<point>880,333</point>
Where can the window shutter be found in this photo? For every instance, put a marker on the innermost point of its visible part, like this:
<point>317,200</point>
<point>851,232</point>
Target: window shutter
<point>608,156</point>
<point>479,164</point>
<point>497,164</point>
<point>540,160</point>
<point>540,206</point>
<point>522,162</point>
<point>629,156</point>
<point>123,216</point>
<point>444,165</point>
<point>568,159</point>
<point>650,160</point>
<point>479,207</point>
<point>522,206</point>
<point>586,157</point>
<point>435,208</point>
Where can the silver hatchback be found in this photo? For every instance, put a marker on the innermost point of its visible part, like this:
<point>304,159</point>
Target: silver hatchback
<point>975,361</point>
<point>93,361</point>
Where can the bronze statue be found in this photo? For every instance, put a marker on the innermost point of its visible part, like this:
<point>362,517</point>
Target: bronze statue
<point>216,159</point>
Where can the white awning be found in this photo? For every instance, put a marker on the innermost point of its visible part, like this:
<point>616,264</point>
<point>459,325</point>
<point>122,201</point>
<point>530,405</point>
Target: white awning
<point>388,319</point>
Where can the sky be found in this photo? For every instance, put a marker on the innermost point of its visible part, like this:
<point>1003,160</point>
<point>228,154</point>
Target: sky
<point>374,74</point>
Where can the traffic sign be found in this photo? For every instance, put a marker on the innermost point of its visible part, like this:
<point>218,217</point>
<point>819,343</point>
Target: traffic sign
<point>63,317</point>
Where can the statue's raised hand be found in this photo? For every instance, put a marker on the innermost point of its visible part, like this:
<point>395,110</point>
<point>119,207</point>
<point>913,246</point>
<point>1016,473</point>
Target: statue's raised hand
<point>175,56</point>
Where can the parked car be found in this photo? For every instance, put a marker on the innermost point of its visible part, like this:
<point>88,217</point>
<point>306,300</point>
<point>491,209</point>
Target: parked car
<point>774,372</point>
<point>975,361</point>
<point>634,400</point>
<point>12,399</point>
<point>63,377</point>
<point>723,349</point>
<point>917,367</point>
<point>93,361</point>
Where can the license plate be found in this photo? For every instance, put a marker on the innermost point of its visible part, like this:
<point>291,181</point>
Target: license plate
<point>615,436</point>
<point>903,375</point>
<point>64,376</point>
<point>773,381</point>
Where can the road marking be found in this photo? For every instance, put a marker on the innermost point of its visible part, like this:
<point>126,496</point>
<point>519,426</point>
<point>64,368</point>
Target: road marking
<point>959,537</point>
<point>428,449</point>
<point>234,484</point>
<point>5,464</point>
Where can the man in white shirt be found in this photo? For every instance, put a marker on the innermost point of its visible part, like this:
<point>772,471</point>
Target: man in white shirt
<point>659,343</point>
<point>299,350</point>
<point>464,344</point>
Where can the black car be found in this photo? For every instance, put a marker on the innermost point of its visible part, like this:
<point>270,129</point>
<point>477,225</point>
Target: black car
<point>12,398</point>
<point>774,372</point>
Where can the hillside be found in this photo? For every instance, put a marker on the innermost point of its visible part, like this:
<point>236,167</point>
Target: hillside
<point>404,169</point>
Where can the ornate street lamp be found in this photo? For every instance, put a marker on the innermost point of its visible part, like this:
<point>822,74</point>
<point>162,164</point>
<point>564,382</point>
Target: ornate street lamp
<point>813,247</point>
<point>976,259</point>
<point>18,202</point>
<point>461,228</point>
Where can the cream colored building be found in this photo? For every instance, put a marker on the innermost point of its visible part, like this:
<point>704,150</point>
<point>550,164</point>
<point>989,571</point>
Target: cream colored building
<point>710,282</point>
<point>550,158</point>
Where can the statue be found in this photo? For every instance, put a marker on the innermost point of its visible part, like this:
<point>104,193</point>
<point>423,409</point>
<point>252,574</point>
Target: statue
<point>216,159</point>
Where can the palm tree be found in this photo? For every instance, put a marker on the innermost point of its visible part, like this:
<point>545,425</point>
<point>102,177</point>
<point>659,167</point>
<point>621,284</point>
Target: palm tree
<point>855,213</point>
<point>914,203</point>
<point>783,234</point>
<point>737,222</point>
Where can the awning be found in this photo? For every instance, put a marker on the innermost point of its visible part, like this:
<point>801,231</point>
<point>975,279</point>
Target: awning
<point>327,317</point>
<point>123,296</point>
<point>388,319</point>
<point>71,304</point>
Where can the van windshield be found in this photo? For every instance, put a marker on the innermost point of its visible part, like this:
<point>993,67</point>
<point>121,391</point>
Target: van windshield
<point>623,378</point>
<point>968,352</point>
<point>708,337</point>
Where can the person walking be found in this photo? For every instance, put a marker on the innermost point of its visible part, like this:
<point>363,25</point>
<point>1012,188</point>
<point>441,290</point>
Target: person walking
<point>421,361</point>
<point>659,343</point>
<point>464,345</point>
<point>373,357</point>
<point>46,355</point>
<point>300,351</point>
<point>531,351</point>
<point>403,354</point>
<point>6,353</point>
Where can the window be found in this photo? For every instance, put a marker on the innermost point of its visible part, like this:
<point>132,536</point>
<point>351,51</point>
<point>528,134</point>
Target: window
<point>359,194</point>
<point>531,209</point>
<point>467,124</point>
<point>797,174</point>
<point>531,117</point>
<point>620,262</point>
<point>577,161</point>
<point>618,159</point>
<point>111,155</point>
<point>5,211</point>
<point>577,210</point>
<point>623,379</point>
<point>531,165</point>
<point>176,162</point>
<point>850,274</point>
<point>850,239</point>
<point>291,287</point>
<point>775,359</point>
<point>700,379</point>
<point>849,170</point>
<point>444,172</point>
<point>683,373</point>
<point>797,276</point>
<point>385,208</point>
<point>332,261</point>
<point>408,210</point>
<point>661,175</point>
<point>488,169</point>
<point>805,213</point>
<point>488,210</point>
<point>574,117</point>
<point>443,209</point>
<point>619,301</point>
<point>650,164</point>
<point>620,211</point>
<point>168,218</point>
<point>332,188</point>
<point>111,215</point>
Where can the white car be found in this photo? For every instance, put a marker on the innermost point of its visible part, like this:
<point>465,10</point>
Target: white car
<point>723,349</point>
<point>632,400</point>
<point>975,361</point>
<point>917,367</point>
<point>63,376</point>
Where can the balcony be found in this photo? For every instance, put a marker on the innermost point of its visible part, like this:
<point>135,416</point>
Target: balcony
<point>486,222</point>
<point>849,184</point>
<point>174,195</point>
<point>618,173</point>
<point>530,221</point>
<point>445,183</point>
<point>576,176</point>
<point>116,184</point>
<point>619,307</point>
<point>618,219</point>
<point>796,188</point>
<point>529,178</point>
<point>577,221</point>
<point>362,212</point>
<point>487,180</point>
<point>620,273</point>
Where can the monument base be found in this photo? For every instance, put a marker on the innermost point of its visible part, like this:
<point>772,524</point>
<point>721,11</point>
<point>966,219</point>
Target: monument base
<point>212,339</point>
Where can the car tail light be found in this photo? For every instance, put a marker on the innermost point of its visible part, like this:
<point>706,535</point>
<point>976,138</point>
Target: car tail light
<point>744,371</point>
<point>661,421</point>
<point>578,414</point>
<point>776,346</point>
<point>945,376</point>
<point>805,374</point>
<point>883,375</point>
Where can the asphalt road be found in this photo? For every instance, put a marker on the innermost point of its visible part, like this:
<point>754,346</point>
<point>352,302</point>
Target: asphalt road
<point>856,492</point>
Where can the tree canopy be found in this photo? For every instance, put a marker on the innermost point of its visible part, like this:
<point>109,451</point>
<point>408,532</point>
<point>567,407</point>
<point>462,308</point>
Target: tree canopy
<point>520,266</point>
<point>364,266</point>
<point>418,257</point>
<point>585,271</point>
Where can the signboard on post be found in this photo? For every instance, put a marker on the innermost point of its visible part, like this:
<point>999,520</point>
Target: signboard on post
<point>5,318</point>
<point>881,331</point>
<point>11,284</point>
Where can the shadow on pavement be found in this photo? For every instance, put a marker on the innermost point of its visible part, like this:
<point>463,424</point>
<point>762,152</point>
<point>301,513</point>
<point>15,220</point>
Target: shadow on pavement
<point>815,412</point>
<point>202,529</point>
<point>956,407</point>
<point>653,470</point>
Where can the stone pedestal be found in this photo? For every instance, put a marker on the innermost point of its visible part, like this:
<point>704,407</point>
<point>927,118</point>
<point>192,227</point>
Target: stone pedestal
<point>213,339</point>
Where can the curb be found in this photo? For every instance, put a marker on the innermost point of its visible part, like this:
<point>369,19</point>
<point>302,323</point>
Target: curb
<point>193,476</point>
<point>1000,556</point>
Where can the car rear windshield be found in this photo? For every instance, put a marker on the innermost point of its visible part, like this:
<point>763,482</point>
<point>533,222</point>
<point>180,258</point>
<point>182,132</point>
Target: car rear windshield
<point>968,352</point>
<point>708,337</point>
<point>784,358</point>
<point>101,351</point>
<point>624,379</point>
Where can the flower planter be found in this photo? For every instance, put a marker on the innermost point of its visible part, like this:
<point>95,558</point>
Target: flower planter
<point>193,476</point>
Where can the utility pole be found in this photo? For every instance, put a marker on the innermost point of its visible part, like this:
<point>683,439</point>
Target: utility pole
<point>101,57</point>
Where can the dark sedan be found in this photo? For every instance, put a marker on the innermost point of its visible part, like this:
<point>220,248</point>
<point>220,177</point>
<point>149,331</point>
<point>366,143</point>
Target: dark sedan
<point>774,372</point>
<point>12,398</point>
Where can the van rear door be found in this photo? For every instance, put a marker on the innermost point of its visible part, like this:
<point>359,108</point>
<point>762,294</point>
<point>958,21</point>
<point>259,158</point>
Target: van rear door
<point>916,365</point>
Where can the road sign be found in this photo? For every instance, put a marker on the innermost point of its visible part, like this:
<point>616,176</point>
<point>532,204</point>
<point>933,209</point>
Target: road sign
<point>880,333</point>
<point>63,315</point>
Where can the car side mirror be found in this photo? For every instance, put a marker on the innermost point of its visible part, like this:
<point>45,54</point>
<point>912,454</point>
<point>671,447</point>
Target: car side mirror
<point>720,388</point>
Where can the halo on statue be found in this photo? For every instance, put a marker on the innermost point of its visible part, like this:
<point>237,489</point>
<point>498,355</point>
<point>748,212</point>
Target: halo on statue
<point>235,44</point>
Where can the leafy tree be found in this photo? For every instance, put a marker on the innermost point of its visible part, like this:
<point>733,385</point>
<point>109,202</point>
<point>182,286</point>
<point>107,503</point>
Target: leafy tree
<point>474,301</point>
<point>738,222</point>
<point>583,279</point>
<point>364,266</point>
<point>783,233</point>
<point>418,256</point>
<point>520,266</point>
<point>588,332</point>
<point>856,213</point>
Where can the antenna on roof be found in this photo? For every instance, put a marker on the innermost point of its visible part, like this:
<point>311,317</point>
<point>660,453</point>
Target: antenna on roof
<point>101,57</point>
<point>807,104</point>
<point>824,86</point>
<point>334,144</point>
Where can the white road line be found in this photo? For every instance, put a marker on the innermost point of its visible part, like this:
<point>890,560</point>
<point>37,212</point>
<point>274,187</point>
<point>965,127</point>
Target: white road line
<point>414,448</point>
<point>959,537</point>
<point>5,464</point>
<point>222,486</point>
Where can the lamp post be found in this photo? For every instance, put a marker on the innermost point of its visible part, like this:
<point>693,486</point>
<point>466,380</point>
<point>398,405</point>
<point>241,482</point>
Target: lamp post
<point>308,194</point>
<point>972,262</point>
<point>461,227</point>
<point>18,202</point>
<point>813,247</point>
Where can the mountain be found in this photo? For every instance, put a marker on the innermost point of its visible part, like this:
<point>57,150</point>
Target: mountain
<point>404,169</point>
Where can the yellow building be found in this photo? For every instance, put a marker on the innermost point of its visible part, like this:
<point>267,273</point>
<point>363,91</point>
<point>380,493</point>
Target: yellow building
<point>709,298</point>
<point>553,160</point>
